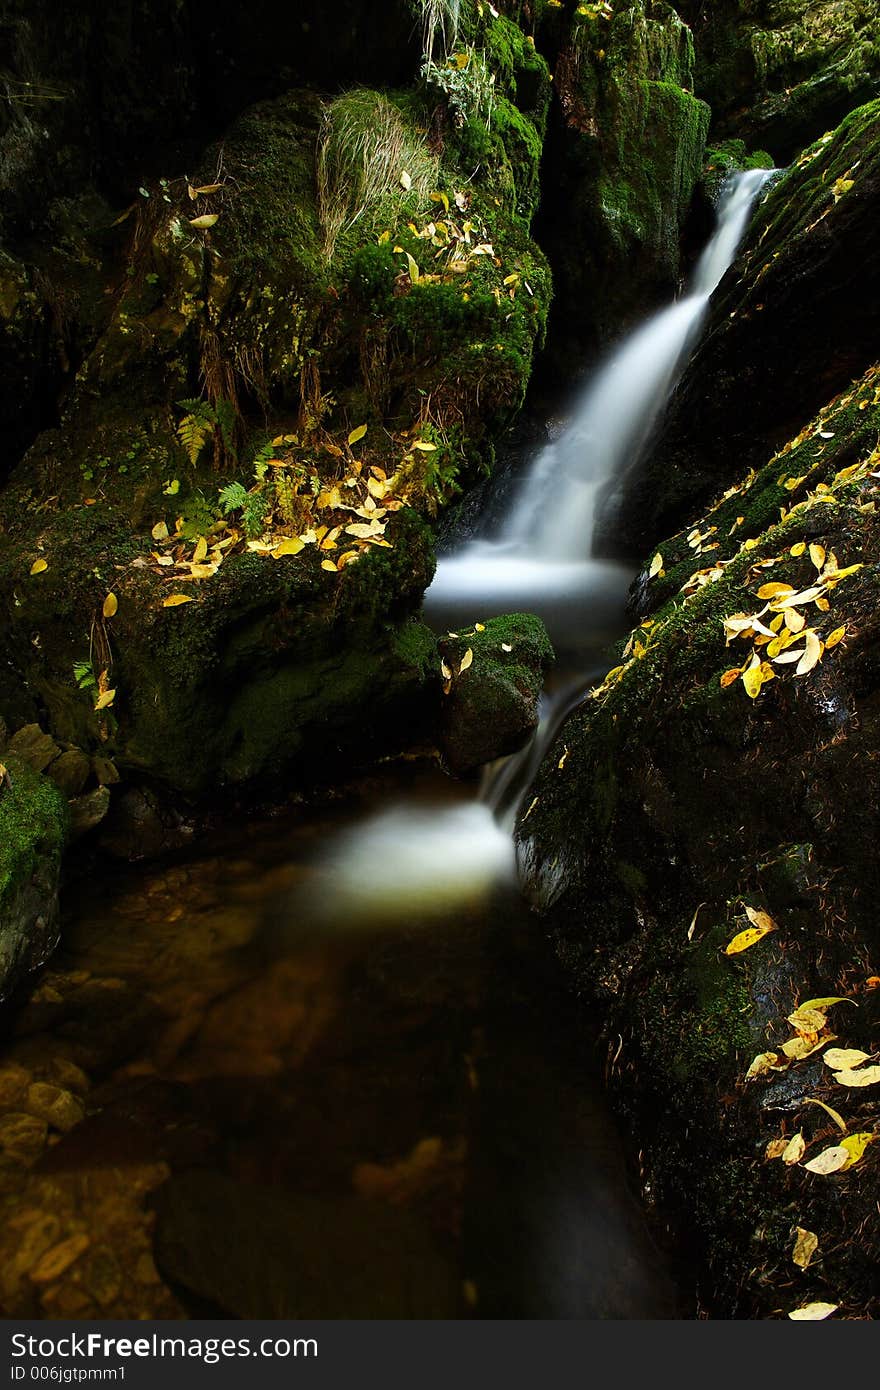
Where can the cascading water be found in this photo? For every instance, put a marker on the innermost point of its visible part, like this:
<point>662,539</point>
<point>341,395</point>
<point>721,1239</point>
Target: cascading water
<point>540,562</point>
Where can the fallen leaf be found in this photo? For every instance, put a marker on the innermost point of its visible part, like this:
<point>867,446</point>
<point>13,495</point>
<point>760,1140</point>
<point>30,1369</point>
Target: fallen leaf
<point>200,551</point>
<point>506,647</point>
<point>817,555</point>
<point>759,918</point>
<point>159,531</point>
<point>828,1161</point>
<point>845,1058</point>
<point>466,661</point>
<point>329,565</point>
<point>106,700</point>
<point>39,567</point>
<point>807,1020</point>
<point>656,565</point>
<point>813,1312</point>
<point>111,605</point>
<point>425,445</point>
<point>826,1002</point>
<point>833,638</point>
<point>805,1246</point>
<point>776,1148</point>
<point>812,653</point>
<point>796,1049</point>
<point>744,939</point>
<point>764,1062</point>
<point>406,179</point>
<point>175,600</point>
<point>730,677</point>
<point>838,1119</point>
<point>794,1150</point>
<point>357,434</point>
<point>855,1145</point>
<point>204,222</point>
<point>289,547</point>
<point>865,1076</point>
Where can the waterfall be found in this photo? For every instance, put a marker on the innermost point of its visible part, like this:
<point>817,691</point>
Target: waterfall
<point>540,562</point>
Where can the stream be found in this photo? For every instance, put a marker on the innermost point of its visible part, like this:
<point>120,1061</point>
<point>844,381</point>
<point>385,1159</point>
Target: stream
<point>322,1066</point>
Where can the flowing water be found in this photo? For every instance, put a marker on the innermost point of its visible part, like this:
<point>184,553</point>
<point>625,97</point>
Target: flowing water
<point>322,1066</point>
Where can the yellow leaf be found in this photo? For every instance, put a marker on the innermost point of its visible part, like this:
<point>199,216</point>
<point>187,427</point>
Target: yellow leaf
<point>466,661</point>
<point>406,180</point>
<point>837,1118</point>
<point>111,604</point>
<point>845,1058</point>
<point>764,1062</point>
<point>798,549</point>
<point>730,677</point>
<point>865,1076</point>
<point>753,680</point>
<point>774,590</point>
<point>200,551</point>
<point>794,1150</point>
<point>812,653</point>
<point>826,1002</point>
<point>855,1145</point>
<point>817,555</point>
<point>836,636</point>
<point>807,1020</point>
<point>805,1246</point>
<point>813,1312</point>
<point>759,918</point>
<point>175,600</point>
<point>39,567</point>
<point>329,565</point>
<point>202,571</point>
<point>656,565</point>
<point>413,268</point>
<point>206,220</point>
<point>289,547</point>
<point>159,531</point>
<point>357,434</point>
<point>794,621</point>
<point>204,189</point>
<point>828,1161</point>
<point>776,1148</point>
<point>425,445</point>
<point>105,700</point>
<point>796,1049</point>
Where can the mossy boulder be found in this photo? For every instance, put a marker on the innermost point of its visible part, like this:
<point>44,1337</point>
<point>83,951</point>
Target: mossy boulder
<point>684,802</point>
<point>491,706</point>
<point>780,74</point>
<point>802,292</point>
<point>623,158</point>
<point>33,828</point>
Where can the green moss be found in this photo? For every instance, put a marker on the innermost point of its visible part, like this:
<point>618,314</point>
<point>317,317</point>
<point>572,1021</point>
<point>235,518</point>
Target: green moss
<point>33,827</point>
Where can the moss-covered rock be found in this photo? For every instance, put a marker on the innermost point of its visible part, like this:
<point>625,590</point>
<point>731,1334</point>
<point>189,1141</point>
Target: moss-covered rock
<point>491,706</point>
<point>779,74</point>
<point>623,159</point>
<point>791,324</point>
<point>682,801</point>
<point>33,827</point>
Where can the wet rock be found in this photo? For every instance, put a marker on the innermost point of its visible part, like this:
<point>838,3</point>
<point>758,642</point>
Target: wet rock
<point>34,747</point>
<point>59,1258</point>
<point>70,772</point>
<point>59,1108</point>
<point>14,1081</point>
<point>491,708</point>
<point>88,811</point>
<point>258,1253</point>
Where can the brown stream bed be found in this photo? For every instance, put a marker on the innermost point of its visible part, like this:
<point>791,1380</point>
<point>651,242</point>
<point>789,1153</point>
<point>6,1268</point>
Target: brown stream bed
<point>213,1103</point>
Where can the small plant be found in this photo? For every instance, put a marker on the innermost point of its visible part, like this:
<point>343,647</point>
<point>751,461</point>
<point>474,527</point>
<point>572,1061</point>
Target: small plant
<point>204,421</point>
<point>84,675</point>
<point>465,83</point>
<point>440,21</point>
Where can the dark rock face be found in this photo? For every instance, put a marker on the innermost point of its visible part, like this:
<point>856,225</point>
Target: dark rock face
<point>491,707</point>
<point>624,153</point>
<point>792,323</point>
<point>682,802</point>
<point>779,74</point>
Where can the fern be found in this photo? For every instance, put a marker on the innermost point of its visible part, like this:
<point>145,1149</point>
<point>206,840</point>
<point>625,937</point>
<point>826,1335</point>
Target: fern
<point>233,497</point>
<point>254,515</point>
<point>196,427</point>
<point>225,418</point>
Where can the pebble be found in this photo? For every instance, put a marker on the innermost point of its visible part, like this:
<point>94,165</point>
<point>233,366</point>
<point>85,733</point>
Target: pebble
<point>59,1258</point>
<point>22,1137</point>
<point>56,1106</point>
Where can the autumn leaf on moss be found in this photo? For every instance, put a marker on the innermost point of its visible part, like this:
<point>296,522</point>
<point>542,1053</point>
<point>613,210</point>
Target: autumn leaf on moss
<point>39,567</point>
<point>111,605</point>
<point>805,1246</point>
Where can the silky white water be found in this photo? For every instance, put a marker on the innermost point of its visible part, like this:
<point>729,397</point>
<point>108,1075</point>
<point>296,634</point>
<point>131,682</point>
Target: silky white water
<point>541,562</point>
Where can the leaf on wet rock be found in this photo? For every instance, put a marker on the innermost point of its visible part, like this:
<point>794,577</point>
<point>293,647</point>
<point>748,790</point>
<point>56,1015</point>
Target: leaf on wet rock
<point>745,939</point>
<point>836,1117</point>
<point>864,1076</point>
<point>826,1002</point>
<point>812,654</point>
<point>175,600</point>
<point>855,1145</point>
<point>813,1312</point>
<point>794,1150</point>
<point>796,1049</point>
<point>807,1020</point>
<point>805,1246</point>
<point>829,1161</point>
<point>764,1062</point>
<point>845,1058</point>
<point>817,555</point>
<point>656,565</point>
<point>775,1148</point>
